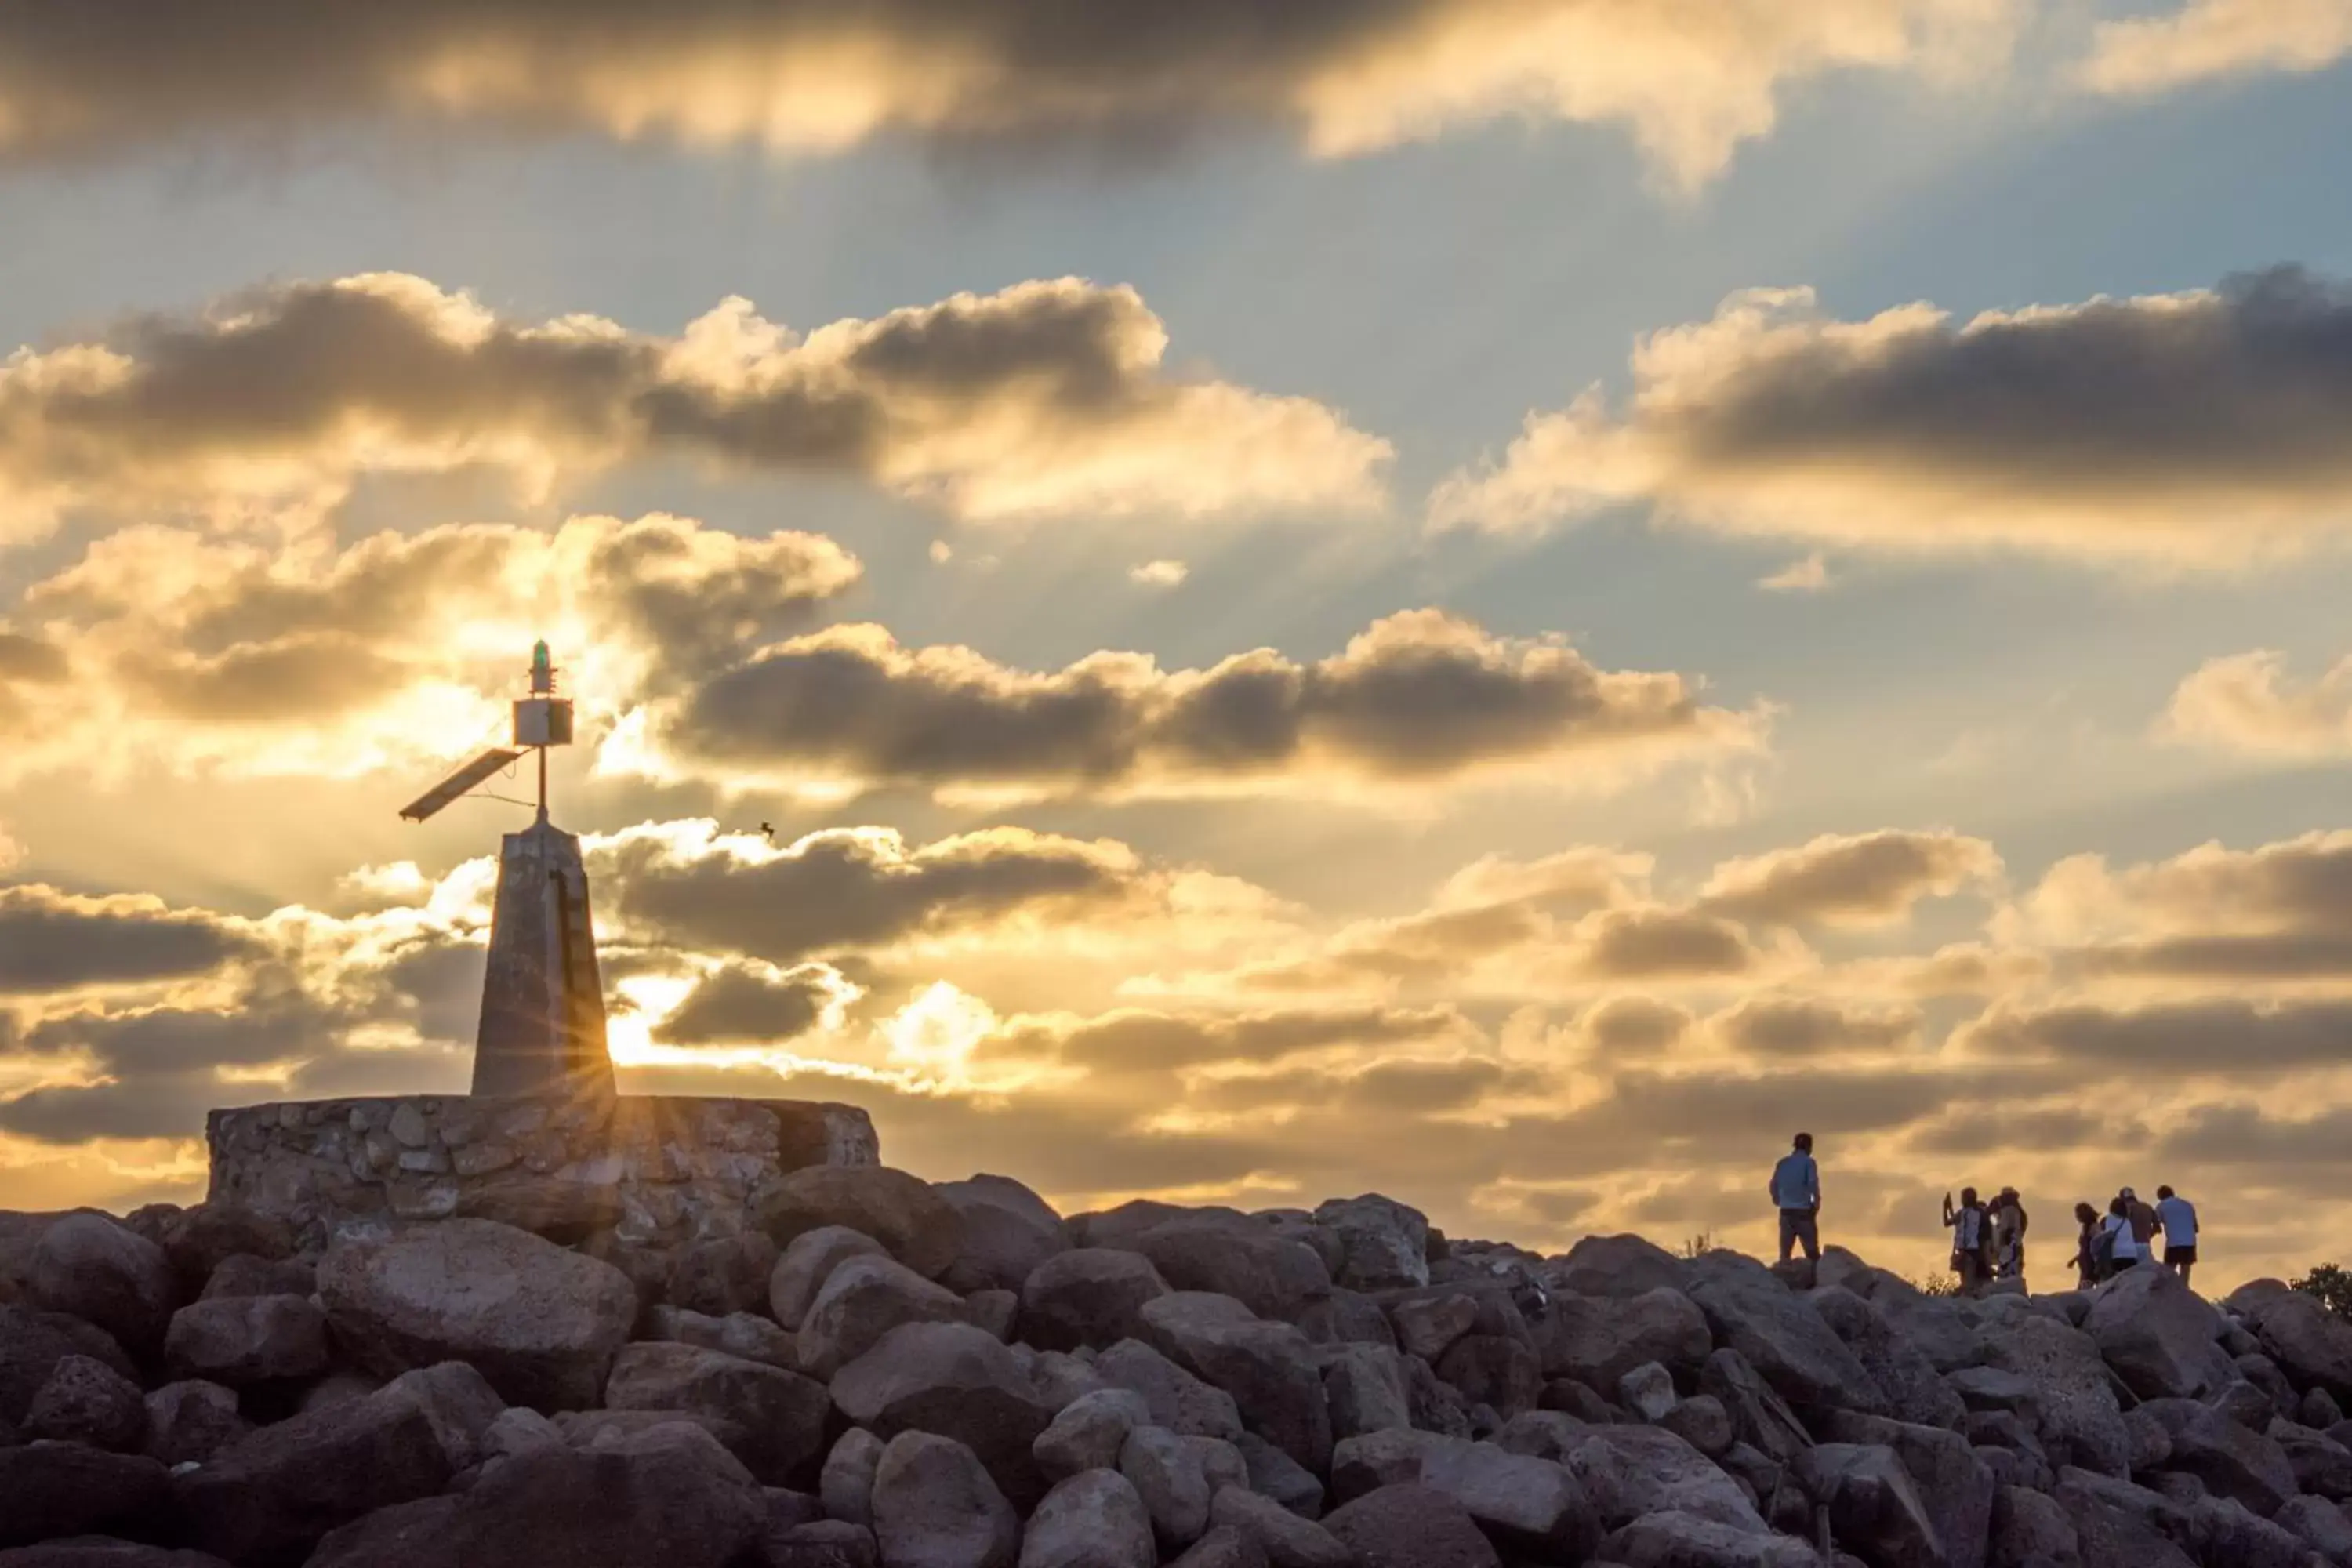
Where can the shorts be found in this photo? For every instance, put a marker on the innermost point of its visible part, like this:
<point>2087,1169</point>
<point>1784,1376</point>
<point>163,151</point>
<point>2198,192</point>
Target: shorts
<point>2181,1254</point>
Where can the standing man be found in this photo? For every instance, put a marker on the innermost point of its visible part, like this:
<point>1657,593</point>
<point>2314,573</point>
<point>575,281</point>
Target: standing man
<point>2179,1217</point>
<point>1797,1190</point>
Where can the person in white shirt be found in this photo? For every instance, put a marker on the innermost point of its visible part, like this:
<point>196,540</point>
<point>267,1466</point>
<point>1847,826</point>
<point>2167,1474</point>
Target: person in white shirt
<point>2126,1253</point>
<point>2179,1217</point>
<point>1969,1234</point>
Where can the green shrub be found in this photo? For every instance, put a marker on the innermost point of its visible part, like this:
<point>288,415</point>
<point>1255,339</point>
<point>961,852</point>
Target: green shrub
<point>2331,1285</point>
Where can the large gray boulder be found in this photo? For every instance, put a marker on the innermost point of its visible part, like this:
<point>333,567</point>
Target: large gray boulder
<point>914,1224</point>
<point>52,1489</point>
<point>1617,1267</point>
<point>934,1507</point>
<point>1686,1541</point>
<point>846,1487</point>
<point>2081,1423</point>
<point>2312,1343</point>
<point>2030,1528</point>
<point>2320,1525</point>
<point>190,1421</point>
<point>772,1420</point>
<point>1168,1473</point>
<point>721,1274</point>
<point>2322,1464</point>
<point>863,1299</point>
<point>2230,1459</point>
<point>1428,1324</point>
<point>2158,1336</point>
<point>1091,1296</point>
<point>1271,1274</point>
<point>745,1334</point>
<point>805,1265</point>
<point>1003,1232</point>
<point>540,1321</point>
<point>241,1340</point>
<point>1285,1540</point>
<point>669,1495</point>
<point>32,1342</point>
<point>1916,1391</point>
<point>1177,1400</point>
<point>1782,1335</point>
<point>1873,1505</point>
<point>269,1500</point>
<point>1597,1339</point>
<point>1524,1504</point>
<point>86,1401</point>
<point>1364,1387</point>
<point>1094,1520</point>
<point>1270,1369</point>
<point>1223,1547</point>
<point>958,1381</point>
<point>1628,1472</point>
<point>97,1269</point>
<point>2120,1525</point>
<point>1758,1415</point>
<point>1089,1433</point>
<point>1411,1526</point>
<point>1384,1244</point>
<point>1954,1485</point>
<point>457,1403</point>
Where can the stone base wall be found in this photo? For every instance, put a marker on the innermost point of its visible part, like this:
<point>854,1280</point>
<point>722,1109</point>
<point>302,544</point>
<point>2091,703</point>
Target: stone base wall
<point>655,1169</point>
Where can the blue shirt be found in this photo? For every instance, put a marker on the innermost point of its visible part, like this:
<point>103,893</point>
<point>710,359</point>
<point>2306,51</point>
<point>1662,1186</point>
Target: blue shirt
<point>1797,1182</point>
<point>2179,1217</point>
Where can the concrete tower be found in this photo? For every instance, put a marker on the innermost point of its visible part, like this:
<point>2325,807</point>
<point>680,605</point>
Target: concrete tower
<point>543,1023</point>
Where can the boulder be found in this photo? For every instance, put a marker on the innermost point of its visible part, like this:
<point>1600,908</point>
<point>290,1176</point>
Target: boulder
<point>2317,1409</point>
<point>97,1269</point>
<point>935,1507</point>
<point>2222,1529</point>
<point>863,1299</point>
<point>722,1274</point>
<point>1005,1232</point>
<point>1089,1433</point>
<point>846,1485</point>
<point>1118,1227</point>
<point>1991,1388</point>
<point>1758,1415</point>
<point>1168,1474</point>
<point>2119,1525</point>
<point>1223,1547</point>
<point>1598,1339</point>
<point>198,1239</point>
<point>772,1420</point>
<point>1524,1505</point>
<point>1782,1335</point>
<point>1494,1370</point>
<point>1384,1245</point>
<point>1914,1391</point>
<point>1628,1471</point>
<point>1648,1390</point>
<point>1953,1483</point>
<point>1436,1405</point>
<point>2315,1521</point>
<point>2312,1343</point>
<point>1686,1541</point>
<point>1284,1539</point>
<point>1427,1325</point>
<point>2231,1461</point>
<point>32,1342</point>
<point>1872,1503</point>
<point>190,1421</point>
<point>1092,1520</point>
<point>807,1262</point>
<point>457,1402</point>
<point>2158,1335</point>
<point>1411,1526</point>
<point>1224,1465</point>
<point>995,1310</point>
<point>2322,1464</point>
<point>241,1340</point>
<point>103,1551</point>
<point>958,1381</point>
<point>745,1334</point>
<point>1347,1317</point>
<point>2030,1529</point>
<point>1274,1475</point>
<point>669,1495</point>
<point>1177,1400</point>
<point>270,1499</point>
<point>1363,1385</point>
<point>2080,1422</point>
<point>541,1323</point>
<point>821,1544</point>
<point>86,1401</point>
<point>1091,1296</point>
<point>914,1224</point>
<point>243,1274</point>
<point>1703,1423</point>
<point>52,1489</point>
<point>1273,1276</point>
<point>1269,1368</point>
<point>1617,1267</point>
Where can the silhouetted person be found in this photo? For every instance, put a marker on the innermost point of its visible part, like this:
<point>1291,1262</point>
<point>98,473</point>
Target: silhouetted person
<point>2178,1216</point>
<point>2116,1234</point>
<point>1797,1191</point>
<point>1968,1227</point>
<point>2007,1214</point>
<point>2143,1223</point>
<point>2086,1239</point>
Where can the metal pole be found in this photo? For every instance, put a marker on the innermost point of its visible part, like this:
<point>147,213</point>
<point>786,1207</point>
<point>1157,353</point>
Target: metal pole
<point>542,783</point>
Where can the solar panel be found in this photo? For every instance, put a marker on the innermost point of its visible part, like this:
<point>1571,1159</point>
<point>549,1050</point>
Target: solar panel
<point>458,783</point>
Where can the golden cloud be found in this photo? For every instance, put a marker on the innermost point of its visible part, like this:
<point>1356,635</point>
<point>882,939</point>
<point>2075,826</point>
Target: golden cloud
<point>2208,38</point>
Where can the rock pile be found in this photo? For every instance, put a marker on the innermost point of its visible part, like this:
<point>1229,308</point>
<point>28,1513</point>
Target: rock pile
<point>886,1374</point>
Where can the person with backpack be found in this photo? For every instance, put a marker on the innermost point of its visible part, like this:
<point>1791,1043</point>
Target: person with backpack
<point>1796,1191</point>
<point>2118,1248</point>
<point>1969,1236</point>
<point>2179,1217</point>
<point>2007,1218</point>
<point>2087,1264</point>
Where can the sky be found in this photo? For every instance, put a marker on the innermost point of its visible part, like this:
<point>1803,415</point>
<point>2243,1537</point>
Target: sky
<point>1500,601</point>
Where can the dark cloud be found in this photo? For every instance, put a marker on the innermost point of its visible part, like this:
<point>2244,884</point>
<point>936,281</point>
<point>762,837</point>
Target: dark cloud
<point>2215,1035</point>
<point>1866,879</point>
<point>30,661</point>
<point>737,1004</point>
<point>2195,428</point>
<point>2269,955</point>
<point>1992,1125</point>
<point>1633,1025</point>
<point>852,887</point>
<point>1659,943</point>
<point>1045,398</point>
<point>1779,1028</point>
<point>51,940</point>
<point>1389,1088</point>
<point>2240,1135</point>
<point>1140,1041</point>
<point>165,1105</point>
<point>1419,696</point>
<point>166,1041</point>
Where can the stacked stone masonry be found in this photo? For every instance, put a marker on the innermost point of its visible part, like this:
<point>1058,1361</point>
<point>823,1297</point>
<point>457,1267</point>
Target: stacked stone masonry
<point>656,1168</point>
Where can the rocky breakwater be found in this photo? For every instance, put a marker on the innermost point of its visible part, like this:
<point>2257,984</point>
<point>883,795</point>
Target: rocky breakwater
<point>876,1371</point>
<point>667,1168</point>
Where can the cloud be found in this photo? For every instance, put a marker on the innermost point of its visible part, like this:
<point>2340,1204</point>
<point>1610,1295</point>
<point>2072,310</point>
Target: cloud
<point>1158,573</point>
<point>2301,885</point>
<point>1860,880</point>
<point>758,1004</point>
<point>311,658</point>
<point>1046,399</point>
<point>2208,38</point>
<point>1416,698</point>
<point>2198,429</point>
<point>57,942</point>
<point>1139,1040</point>
<point>2208,1036</point>
<point>1780,1029</point>
<point>1809,575</point>
<point>1690,82</point>
<point>2246,702</point>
